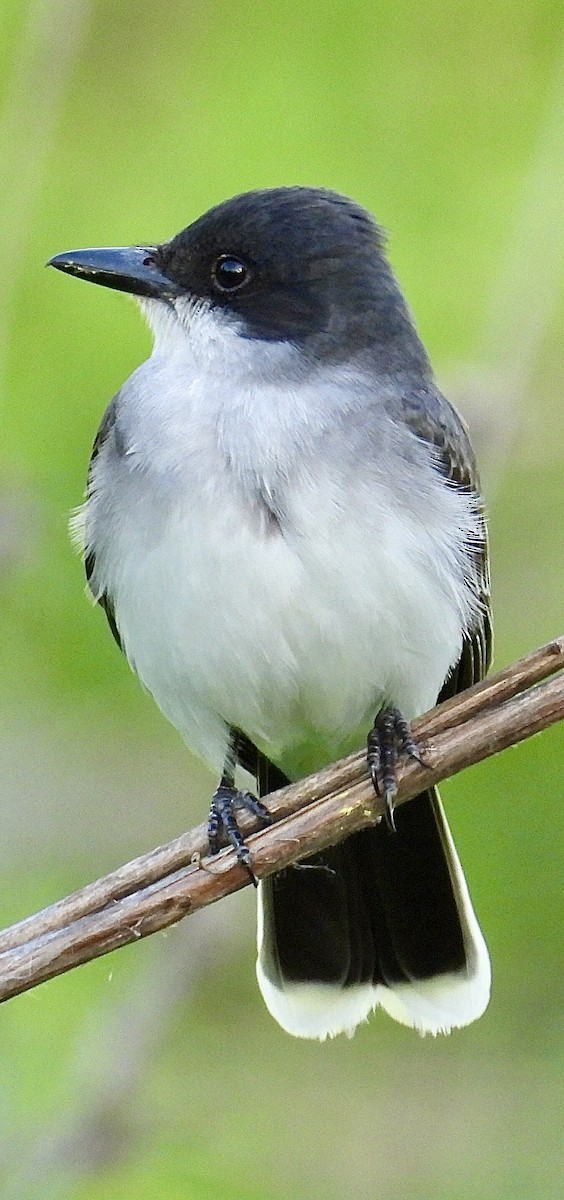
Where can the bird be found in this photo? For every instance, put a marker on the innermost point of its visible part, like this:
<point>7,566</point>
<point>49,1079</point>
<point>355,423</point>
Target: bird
<point>284,526</point>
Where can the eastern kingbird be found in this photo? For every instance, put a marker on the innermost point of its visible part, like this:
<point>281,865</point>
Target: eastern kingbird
<point>284,527</point>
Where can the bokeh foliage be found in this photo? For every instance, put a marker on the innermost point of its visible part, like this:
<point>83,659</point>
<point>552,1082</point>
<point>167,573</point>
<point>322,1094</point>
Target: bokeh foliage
<point>124,120</point>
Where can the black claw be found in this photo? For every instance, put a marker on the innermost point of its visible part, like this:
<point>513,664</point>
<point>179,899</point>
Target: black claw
<point>247,800</point>
<point>389,816</point>
<point>390,737</point>
<point>222,816</point>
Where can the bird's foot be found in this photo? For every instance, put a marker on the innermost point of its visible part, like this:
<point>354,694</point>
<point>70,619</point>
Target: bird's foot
<point>222,816</point>
<point>389,738</point>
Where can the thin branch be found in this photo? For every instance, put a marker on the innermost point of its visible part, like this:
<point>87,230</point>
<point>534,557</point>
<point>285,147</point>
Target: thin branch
<point>159,888</point>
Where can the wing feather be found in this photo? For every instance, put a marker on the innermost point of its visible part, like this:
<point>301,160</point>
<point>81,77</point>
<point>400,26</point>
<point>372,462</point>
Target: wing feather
<point>103,599</point>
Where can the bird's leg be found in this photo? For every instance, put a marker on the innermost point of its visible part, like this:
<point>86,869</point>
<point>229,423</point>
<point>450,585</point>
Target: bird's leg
<point>390,736</point>
<point>222,812</point>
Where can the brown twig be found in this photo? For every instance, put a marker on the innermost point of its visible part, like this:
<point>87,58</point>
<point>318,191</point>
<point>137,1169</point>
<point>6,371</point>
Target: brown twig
<point>161,887</point>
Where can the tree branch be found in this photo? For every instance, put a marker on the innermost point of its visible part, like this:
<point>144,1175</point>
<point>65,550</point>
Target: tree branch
<point>166,884</point>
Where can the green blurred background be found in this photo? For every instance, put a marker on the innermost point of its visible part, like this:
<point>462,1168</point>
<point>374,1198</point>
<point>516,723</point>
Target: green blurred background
<point>157,1072</point>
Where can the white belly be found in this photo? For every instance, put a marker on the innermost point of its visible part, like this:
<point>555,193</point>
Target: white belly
<point>293,637</point>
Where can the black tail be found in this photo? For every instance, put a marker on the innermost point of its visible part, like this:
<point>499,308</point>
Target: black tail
<point>382,919</point>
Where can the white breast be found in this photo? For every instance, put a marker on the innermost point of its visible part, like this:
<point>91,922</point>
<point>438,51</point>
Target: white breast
<point>296,633</point>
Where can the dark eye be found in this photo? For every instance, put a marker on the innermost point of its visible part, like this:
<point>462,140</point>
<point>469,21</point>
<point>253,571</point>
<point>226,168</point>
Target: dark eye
<point>230,274</point>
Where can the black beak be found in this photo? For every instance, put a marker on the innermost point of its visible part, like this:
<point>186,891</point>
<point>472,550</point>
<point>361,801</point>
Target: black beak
<point>131,269</point>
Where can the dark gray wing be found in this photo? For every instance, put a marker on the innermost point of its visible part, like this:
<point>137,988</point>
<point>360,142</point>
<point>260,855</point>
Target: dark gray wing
<point>436,422</point>
<point>106,426</point>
